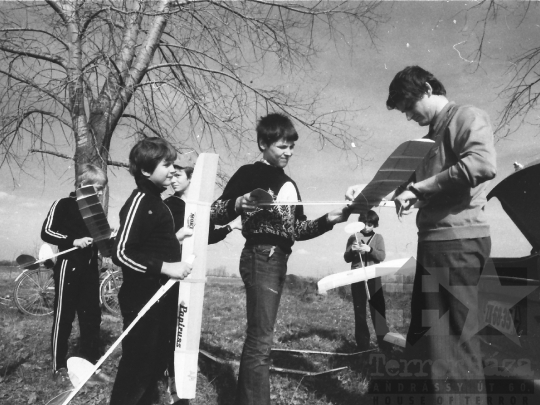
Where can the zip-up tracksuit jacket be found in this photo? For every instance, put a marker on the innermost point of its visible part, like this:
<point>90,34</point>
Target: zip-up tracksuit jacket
<point>145,241</point>
<point>76,282</point>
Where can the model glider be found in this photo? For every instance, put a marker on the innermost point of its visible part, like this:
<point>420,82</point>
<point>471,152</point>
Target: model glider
<point>95,219</point>
<point>355,276</point>
<point>81,374</point>
<point>191,295</point>
<point>395,171</point>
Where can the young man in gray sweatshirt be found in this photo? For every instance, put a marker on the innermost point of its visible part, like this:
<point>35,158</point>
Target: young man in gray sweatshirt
<point>443,349</point>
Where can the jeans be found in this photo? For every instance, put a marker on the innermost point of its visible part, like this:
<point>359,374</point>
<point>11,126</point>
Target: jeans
<point>444,318</point>
<point>377,309</point>
<point>263,269</point>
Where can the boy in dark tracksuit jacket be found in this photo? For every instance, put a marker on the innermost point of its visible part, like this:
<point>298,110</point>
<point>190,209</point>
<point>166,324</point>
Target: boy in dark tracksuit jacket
<point>76,275</point>
<point>270,233</point>
<point>148,251</point>
<point>372,251</point>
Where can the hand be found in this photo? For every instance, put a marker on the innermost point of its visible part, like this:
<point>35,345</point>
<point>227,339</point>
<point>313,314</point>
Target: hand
<point>245,203</point>
<point>364,248</point>
<point>404,202</point>
<point>339,215</point>
<point>178,270</point>
<point>353,191</point>
<point>355,246</point>
<point>82,242</point>
<point>184,233</point>
<point>114,230</point>
<point>236,224</point>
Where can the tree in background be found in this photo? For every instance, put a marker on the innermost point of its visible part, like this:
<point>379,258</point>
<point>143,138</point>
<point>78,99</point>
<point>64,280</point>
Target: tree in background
<point>75,72</point>
<point>522,91</point>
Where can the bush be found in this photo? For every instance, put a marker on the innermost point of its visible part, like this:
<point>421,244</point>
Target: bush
<point>220,271</point>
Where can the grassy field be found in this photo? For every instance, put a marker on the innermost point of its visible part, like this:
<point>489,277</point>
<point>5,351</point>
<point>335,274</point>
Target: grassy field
<point>306,321</point>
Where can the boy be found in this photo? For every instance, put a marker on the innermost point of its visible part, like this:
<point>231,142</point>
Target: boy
<point>270,233</point>
<point>371,251</point>
<point>148,251</point>
<point>76,275</point>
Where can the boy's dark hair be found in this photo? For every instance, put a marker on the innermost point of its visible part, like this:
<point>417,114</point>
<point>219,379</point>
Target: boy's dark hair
<point>409,86</point>
<point>274,127</point>
<point>371,217</point>
<point>91,174</point>
<point>187,169</point>
<point>147,154</point>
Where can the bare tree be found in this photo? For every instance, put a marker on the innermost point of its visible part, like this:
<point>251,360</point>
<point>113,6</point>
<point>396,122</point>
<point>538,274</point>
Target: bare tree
<point>522,91</point>
<point>75,72</point>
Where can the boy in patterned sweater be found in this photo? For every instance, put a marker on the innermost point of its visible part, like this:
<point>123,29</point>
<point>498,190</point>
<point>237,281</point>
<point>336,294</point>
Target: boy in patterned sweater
<point>270,233</point>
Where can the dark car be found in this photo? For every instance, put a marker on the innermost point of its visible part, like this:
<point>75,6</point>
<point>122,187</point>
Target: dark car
<point>509,298</point>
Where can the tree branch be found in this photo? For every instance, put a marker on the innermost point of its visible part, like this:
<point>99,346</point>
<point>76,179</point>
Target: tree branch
<point>56,60</point>
<point>63,156</point>
<point>142,122</point>
<point>34,30</point>
<point>35,86</point>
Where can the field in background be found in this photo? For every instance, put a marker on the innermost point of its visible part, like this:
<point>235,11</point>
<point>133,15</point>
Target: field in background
<point>306,321</point>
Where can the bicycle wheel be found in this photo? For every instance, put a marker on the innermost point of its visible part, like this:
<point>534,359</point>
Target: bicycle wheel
<point>34,292</point>
<point>110,286</point>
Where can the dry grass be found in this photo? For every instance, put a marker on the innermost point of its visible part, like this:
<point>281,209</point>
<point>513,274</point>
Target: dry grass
<point>306,321</point>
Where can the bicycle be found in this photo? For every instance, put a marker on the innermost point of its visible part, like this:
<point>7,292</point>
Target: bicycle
<point>33,292</point>
<point>111,281</point>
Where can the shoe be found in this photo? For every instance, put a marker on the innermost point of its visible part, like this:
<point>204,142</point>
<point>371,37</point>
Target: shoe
<point>363,346</point>
<point>61,375</point>
<point>99,377</point>
<point>172,397</point>
<point>385,347</point>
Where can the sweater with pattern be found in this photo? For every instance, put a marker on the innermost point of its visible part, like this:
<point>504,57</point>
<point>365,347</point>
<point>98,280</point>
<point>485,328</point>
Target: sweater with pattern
<point>279,225</point>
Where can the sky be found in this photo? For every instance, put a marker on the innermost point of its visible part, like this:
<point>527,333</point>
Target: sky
<point>439,36</point>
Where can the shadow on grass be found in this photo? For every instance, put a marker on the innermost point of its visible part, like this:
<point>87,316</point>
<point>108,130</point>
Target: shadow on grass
<point>336,387</point>
<point>342,387</point>
<point>221,376</point>
<point>12,367</point>
<point>330,334</point>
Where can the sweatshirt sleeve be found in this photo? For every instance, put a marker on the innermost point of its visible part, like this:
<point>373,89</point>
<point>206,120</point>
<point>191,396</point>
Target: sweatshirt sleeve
<point>471,140</point>
<point>305,229</point>
<point>378,252</point>
<point>223,209</point>
<point>53,230</point>
<point>216,235</point>
<point>133,232</point>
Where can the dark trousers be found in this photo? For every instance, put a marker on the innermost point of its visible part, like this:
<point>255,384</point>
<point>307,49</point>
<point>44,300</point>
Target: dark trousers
<point>145,352</point>
<point>263,269</point>
<point>377,309</point>
<point>442,345</point>
<point>76,293</point>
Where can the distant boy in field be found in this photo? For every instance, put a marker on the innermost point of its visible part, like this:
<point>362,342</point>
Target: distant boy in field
<point>366,248</point>
<point>76,275</point>
<point>148,251</point>
<point>270,233</point>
